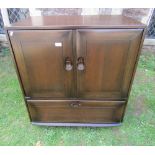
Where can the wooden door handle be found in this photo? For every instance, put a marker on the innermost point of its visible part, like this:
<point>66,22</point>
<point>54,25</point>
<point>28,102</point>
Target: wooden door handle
<point>80,64</point>
<point>68,64</point>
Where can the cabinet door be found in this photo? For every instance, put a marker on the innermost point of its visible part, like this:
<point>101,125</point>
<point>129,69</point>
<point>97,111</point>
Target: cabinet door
<point>40,56</point>
<point>109,57</point>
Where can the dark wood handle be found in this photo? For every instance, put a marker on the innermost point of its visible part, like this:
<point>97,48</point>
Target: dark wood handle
<point>80,64</point>
<point>68,64</point>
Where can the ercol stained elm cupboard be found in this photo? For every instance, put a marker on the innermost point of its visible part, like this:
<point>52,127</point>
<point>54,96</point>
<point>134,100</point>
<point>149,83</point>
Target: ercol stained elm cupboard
<point>76,70</point>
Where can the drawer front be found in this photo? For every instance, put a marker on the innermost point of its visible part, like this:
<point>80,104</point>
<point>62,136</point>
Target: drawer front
<point>76,111</point>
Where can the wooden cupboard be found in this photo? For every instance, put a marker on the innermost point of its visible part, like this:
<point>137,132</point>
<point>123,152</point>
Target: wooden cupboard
<point>76,70</point>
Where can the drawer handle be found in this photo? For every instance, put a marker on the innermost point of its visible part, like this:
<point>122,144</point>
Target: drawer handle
<point>75,105</point>
<point>80,64</point>
<point>68,64</point>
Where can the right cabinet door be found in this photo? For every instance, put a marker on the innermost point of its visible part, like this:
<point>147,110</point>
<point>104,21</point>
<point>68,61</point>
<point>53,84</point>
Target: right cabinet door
<point>105,61</point>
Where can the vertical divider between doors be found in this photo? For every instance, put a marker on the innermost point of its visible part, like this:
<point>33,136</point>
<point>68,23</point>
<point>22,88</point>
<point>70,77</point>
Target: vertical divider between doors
<point>74,40</point>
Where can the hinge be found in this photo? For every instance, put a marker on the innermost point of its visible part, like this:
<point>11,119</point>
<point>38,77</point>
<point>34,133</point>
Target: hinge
<point>27,97</point>
<point>10,33</point>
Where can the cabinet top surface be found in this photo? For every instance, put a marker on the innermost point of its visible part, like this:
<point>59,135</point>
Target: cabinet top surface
<point>81,21</point>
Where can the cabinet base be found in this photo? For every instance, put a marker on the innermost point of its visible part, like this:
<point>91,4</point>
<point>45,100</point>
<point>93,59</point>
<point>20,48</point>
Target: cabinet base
<point>78,124</point>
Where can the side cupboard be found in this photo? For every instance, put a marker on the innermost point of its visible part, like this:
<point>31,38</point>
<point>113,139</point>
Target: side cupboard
<point>76,70</point>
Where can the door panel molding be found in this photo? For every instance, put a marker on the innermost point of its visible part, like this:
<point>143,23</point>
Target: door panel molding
<point>29,46</point>
<point>113,48</point>
<point>125,43</point>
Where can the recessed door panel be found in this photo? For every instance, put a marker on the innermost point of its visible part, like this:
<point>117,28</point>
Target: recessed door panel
<point>41,56</point>
<point>109,57</point>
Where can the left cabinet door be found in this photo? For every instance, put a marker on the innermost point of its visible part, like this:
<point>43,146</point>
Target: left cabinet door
<point>41,57</point>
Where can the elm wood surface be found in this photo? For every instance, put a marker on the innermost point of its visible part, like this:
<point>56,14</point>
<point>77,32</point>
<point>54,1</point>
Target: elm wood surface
<point>76,111</point>
<point>108,61</point>
<point>82,21</point>
<point>41,64</point>
<point>109,57</point>
<point>77,33</point>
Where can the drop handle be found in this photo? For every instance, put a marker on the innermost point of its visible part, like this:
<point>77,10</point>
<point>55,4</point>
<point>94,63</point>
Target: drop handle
<point>80,64</point>
<point>75,105</point>
<point>68,64</point>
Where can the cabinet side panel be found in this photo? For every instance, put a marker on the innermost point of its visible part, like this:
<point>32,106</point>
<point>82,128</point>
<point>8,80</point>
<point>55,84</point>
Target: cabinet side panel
<point>135,67</point>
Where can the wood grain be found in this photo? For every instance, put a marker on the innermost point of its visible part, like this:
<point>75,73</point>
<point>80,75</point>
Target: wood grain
<point>85,112</point>
<point>72,22</point>
<point>107,46</point>
<point>109,57</point>
<point>42,65</point>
